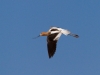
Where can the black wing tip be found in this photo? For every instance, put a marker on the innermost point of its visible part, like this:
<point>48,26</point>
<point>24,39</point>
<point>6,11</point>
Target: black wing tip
<point>50,57</point>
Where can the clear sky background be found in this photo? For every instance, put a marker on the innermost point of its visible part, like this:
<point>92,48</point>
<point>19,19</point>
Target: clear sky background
<point>21,20</point>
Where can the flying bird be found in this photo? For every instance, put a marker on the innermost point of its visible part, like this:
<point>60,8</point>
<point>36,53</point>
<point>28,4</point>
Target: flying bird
<point>53,35</point>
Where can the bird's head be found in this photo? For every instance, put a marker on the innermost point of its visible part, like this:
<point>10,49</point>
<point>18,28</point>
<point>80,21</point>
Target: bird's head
<point>44,33</point>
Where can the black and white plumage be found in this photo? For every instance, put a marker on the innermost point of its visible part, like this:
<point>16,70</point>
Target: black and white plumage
<point>51,43</point>
<point>54,37</point>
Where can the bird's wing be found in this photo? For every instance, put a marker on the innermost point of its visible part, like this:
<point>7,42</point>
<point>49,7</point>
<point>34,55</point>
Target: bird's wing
<point>51,44</point>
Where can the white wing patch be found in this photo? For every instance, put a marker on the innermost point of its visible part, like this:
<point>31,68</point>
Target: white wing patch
<point>65,32</point>
<point>58,36</point>
<point>53,32</point>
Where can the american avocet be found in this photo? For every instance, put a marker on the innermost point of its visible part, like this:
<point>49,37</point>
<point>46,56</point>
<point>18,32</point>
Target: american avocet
<point>53,36</point>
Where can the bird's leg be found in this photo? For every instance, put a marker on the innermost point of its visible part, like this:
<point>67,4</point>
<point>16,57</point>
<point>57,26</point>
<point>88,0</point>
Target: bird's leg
<point>74,35</point>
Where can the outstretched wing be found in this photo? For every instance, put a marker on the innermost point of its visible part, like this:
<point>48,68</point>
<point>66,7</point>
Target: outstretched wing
<point>51,44</point>
<point>51,48</point>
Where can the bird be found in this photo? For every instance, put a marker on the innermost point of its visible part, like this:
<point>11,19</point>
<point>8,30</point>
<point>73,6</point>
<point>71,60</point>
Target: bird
<point>53,35</point>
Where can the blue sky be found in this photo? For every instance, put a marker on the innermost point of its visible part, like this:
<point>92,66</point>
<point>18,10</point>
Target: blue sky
<point>21,20</point>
